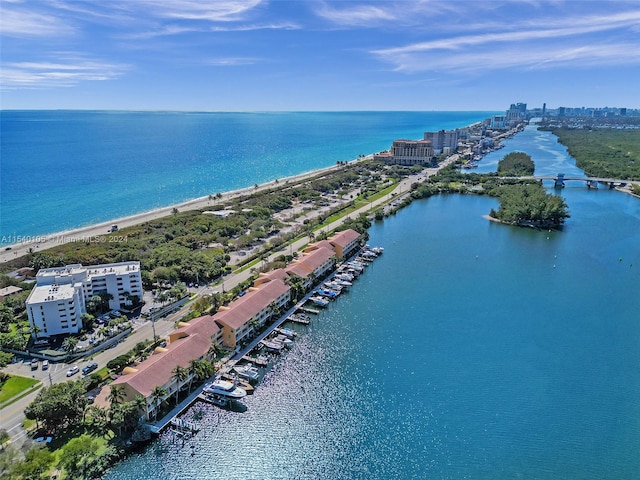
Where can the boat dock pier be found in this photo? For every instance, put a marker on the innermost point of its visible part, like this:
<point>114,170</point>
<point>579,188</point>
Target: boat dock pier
<point>184,426</point>
<point>260,360</point>
<point>309,310</point>
<point>301,321</point>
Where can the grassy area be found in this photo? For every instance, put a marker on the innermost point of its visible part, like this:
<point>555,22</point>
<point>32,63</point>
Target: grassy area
<point>14,386</point>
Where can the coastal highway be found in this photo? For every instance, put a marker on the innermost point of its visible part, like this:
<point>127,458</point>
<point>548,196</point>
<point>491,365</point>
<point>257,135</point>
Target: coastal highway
<point>22,244</point>
<point>11,416</point>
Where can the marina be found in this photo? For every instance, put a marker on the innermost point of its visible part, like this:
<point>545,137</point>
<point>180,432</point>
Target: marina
<point>465,407</point>
<point>235,381</point>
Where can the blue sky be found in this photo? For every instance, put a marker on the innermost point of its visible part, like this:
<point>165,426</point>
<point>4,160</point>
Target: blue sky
<point>256,55</point>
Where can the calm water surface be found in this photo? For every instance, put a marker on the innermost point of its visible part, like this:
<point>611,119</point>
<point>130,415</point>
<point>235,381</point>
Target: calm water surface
<point>468,350</point>
<point>67,169</point>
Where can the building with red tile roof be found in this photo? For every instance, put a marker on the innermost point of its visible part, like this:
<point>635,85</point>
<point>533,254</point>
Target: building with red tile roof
<point>192,341</point>
<point>261,302</point>
<point>345,243</point>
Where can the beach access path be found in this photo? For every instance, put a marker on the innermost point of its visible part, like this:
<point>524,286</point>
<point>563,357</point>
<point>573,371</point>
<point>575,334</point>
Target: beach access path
<point>84,234</point>
<point>11,416</point>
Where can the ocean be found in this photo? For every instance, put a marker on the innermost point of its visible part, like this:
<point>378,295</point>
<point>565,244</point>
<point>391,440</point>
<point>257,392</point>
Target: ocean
<point>468,350</point>
<point>68,169</point>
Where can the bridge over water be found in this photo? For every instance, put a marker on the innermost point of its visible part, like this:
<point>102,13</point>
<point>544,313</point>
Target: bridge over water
<point>591,182</point>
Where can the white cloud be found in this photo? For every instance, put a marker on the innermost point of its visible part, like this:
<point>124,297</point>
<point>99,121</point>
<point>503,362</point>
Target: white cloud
<point>576,41</point>
<point>19,22</point>
<point>67,71</point>
<point>231,61</point>
<point>216,11</point>
<point>359,15</point>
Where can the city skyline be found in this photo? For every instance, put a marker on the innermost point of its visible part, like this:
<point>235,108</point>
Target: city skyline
<point>256,55</point>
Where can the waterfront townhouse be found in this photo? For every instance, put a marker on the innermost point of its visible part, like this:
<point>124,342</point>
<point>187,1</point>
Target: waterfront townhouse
<point>242,316</point>
<point>318,260</point>
<point>191,341</point>
<point>59,298</point>
<point>345,243</point>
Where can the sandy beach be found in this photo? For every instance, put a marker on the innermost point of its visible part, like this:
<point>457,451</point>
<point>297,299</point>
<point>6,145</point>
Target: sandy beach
<point>94,232</point>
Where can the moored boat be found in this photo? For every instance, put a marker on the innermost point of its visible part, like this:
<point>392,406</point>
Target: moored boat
<point>224,388</point>
<point>319,301</point>
<point>247,371</point>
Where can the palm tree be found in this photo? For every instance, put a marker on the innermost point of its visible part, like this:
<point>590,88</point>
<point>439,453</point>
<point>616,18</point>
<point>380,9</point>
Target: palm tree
<point>194,366</point>
<point>69,344</point>
<point>158,395</point>
<point>140,404</point>
<point>180,374</point>
<point>117,394</point>
<point>214,350</point>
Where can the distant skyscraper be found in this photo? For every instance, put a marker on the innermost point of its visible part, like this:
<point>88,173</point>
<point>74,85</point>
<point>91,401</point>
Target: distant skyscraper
<point>544,109</point>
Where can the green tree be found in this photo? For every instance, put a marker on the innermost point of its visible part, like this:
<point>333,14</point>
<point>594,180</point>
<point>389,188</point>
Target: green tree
<point>69,344</point>
<point>78,456</point>
<point>37,462</point>
<point>158,394</point>
<point>516,164</point>
<point>116,394</point>
<point>59,405</point>
<point>180,374</point>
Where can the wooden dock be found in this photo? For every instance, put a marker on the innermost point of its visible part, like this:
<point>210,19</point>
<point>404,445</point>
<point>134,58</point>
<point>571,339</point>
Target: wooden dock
<point>310,310</point>
<point>184,426</point>
<point>261,360</point>
<point>301,321</point>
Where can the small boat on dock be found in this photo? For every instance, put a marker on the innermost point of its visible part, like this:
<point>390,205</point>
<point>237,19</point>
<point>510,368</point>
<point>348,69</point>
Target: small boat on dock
<point>319,301</point>
<point>260,360</point>
<point>283,340</point>
<point>224,388</point>
<point>244,385</point>
<point>272,346</point>
<point>301,321</point>
<point>287,332</point>
<point>217,400</point>
<point>247,371</point>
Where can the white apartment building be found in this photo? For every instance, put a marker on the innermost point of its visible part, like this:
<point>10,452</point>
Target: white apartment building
<point>59,298</point>
<point>443,140</point>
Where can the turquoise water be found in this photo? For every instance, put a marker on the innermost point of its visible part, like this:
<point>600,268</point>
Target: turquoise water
<point>468,350</point>
<point>67,169</point>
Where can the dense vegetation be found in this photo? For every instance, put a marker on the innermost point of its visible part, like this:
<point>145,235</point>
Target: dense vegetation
<point>604,153</point>
<point>516,164</point>
<point>530,205</point>
<point>194,246</point>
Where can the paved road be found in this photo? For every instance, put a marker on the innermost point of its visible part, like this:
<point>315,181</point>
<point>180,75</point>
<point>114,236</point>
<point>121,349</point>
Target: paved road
<point>11,416</point>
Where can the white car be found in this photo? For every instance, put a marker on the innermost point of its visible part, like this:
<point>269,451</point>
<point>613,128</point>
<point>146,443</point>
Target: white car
<point>72,371</point>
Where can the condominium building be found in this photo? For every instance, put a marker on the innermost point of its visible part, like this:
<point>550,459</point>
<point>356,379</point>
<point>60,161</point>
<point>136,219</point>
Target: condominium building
<point>60,296</point>
<point>443,141</point>
<point>412,152</point>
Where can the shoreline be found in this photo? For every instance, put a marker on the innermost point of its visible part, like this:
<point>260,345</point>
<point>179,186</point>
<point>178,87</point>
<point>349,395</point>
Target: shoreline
<point>93,232</point>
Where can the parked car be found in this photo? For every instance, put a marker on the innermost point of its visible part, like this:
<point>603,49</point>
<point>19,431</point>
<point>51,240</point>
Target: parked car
<point>34,364</point>
<point>89,368</point>
<point>45,364</point>
<point>72,371</point>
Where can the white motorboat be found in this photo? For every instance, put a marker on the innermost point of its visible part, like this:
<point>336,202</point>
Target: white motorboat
<point>224,388</point>
<point>247,371</point>
<point>319,301</point>
<point>272,346</point>
<point>287,332</point>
